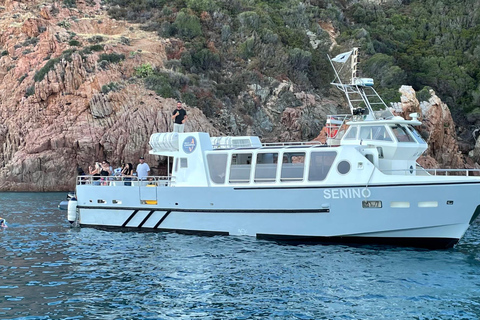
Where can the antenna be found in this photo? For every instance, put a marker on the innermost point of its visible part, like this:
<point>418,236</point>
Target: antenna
<point>362,98</point>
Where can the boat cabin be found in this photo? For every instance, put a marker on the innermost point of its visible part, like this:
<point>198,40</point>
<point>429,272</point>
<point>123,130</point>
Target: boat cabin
<point>392,146</point>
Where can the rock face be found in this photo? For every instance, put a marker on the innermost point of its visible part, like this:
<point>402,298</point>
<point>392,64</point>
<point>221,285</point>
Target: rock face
<point>51,126</point>
<point>65,103</point>
<point>438,130</point>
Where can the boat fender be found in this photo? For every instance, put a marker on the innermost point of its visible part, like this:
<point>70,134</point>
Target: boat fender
<point>72,210</point>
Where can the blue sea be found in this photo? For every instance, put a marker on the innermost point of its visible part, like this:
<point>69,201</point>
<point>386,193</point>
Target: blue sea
<point>49,270</point>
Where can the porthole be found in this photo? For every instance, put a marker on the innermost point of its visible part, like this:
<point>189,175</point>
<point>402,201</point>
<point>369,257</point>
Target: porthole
<point>343,167</point>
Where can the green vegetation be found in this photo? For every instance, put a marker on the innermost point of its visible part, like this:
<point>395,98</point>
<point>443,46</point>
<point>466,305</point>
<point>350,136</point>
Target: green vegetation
<point>429,44</point>
<point>66,55</point>
<point>145,70</point>
<point>111,57</point>
<point>112,86</point>
<point>74,43</point>
<point>230,44</point>
<point>90,49</point>
<point>30,91</point>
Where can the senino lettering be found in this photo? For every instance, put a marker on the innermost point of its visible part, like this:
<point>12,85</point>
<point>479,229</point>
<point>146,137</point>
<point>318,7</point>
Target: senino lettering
<point>346,193</point>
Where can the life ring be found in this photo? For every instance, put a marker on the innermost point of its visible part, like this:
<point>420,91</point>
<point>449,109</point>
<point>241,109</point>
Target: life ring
<point>332,130</point>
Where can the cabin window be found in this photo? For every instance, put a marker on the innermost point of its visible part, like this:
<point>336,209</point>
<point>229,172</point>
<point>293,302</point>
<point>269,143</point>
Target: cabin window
<point>293,165</point>
<point>402,134</point>
<point>217,166</point>
<point>320,164</point>
<point>343,167</point>
<point>352,134</point>
<point>374,133</point>
<point>266,167</point>
<point>240,168</point>
<point>416,135</point>
<point>183,163</point>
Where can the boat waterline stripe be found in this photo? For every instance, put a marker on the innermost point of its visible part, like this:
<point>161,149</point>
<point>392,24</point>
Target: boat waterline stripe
<point>358,186</point>
<point>428,243</point>
<point>180,231</point>
<point>161,220</point>
<point>208,210</point>
<point>129,218</point>
<point>146,218</point>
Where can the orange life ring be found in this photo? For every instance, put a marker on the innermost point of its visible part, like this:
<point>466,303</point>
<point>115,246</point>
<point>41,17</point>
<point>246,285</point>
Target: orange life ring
<point>332,130</point>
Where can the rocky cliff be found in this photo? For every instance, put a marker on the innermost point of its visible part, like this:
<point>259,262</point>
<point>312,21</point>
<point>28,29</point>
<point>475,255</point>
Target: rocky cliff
<point>69,96</point>
<point>53,124</point>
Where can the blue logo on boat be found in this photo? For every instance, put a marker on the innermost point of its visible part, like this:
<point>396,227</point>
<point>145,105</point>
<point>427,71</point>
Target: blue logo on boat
<point>189,144</point>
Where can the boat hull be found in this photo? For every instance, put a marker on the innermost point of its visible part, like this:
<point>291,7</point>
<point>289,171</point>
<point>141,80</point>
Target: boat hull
<point>435,215</point>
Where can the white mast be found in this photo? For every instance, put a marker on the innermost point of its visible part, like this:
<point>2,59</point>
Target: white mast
<point>361,97</point>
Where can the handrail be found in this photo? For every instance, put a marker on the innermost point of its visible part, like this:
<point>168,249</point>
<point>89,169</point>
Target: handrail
<point>123,180</point>
<point>435,171</point>
<point>292,143</point>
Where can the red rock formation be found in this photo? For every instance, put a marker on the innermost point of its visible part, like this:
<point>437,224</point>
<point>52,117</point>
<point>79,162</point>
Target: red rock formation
<point>437,128</point>
<point>51,126</point>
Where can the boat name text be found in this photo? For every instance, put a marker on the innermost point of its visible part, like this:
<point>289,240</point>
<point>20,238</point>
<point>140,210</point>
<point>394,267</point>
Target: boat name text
<point>346,193</point>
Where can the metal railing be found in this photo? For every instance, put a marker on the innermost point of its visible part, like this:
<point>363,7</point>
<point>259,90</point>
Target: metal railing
<point>151,181</point>
<point>434,172</point>
<point>293,144</point>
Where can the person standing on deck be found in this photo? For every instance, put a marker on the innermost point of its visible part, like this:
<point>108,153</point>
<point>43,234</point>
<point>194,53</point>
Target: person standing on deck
<point>179,116</point>
<point>143,170</point>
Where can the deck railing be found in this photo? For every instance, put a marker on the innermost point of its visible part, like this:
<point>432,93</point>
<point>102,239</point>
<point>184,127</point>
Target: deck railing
<point>160,181</point>
<point>435,172</point>
<point>293,144</point>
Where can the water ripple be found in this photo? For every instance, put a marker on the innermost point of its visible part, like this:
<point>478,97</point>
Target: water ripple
<point>51,271</point>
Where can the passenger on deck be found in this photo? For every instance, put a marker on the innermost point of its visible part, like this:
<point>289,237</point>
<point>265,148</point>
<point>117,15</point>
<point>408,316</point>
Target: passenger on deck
<point>143,170</point>
<point>179,116</point>
<point>95,172</point>
<point>127,173</point>
<point>127,170</point>
<point>80,172</point>
<point>106,169</point>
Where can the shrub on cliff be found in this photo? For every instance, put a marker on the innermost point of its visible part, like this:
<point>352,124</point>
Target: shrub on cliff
<point>40,74</point>
<point>111,57</point>
<point>187,25</point>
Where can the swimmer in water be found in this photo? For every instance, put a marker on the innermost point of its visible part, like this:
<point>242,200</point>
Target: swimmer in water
<point>3,223</point>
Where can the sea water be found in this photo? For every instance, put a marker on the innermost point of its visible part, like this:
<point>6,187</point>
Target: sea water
<point>49,270</point>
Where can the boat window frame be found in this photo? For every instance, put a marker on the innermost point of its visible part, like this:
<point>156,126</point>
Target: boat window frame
<point>290,167</point>
<point>183,163</point>
<point>407,132</point>
<point>273,164</point>
<point>375,131</point>
<point>320,172</point>
<point>416,134</point>
<point>239,163</point>
<point>348,135</point>
<point>217,176</point>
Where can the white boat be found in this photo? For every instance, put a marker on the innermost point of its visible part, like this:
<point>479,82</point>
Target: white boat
<point>363,186</point>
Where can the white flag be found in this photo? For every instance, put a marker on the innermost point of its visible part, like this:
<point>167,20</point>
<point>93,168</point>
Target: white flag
<point>342,57</point>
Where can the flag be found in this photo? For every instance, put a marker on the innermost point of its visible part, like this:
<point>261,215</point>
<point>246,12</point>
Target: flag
<point>342,57</point>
